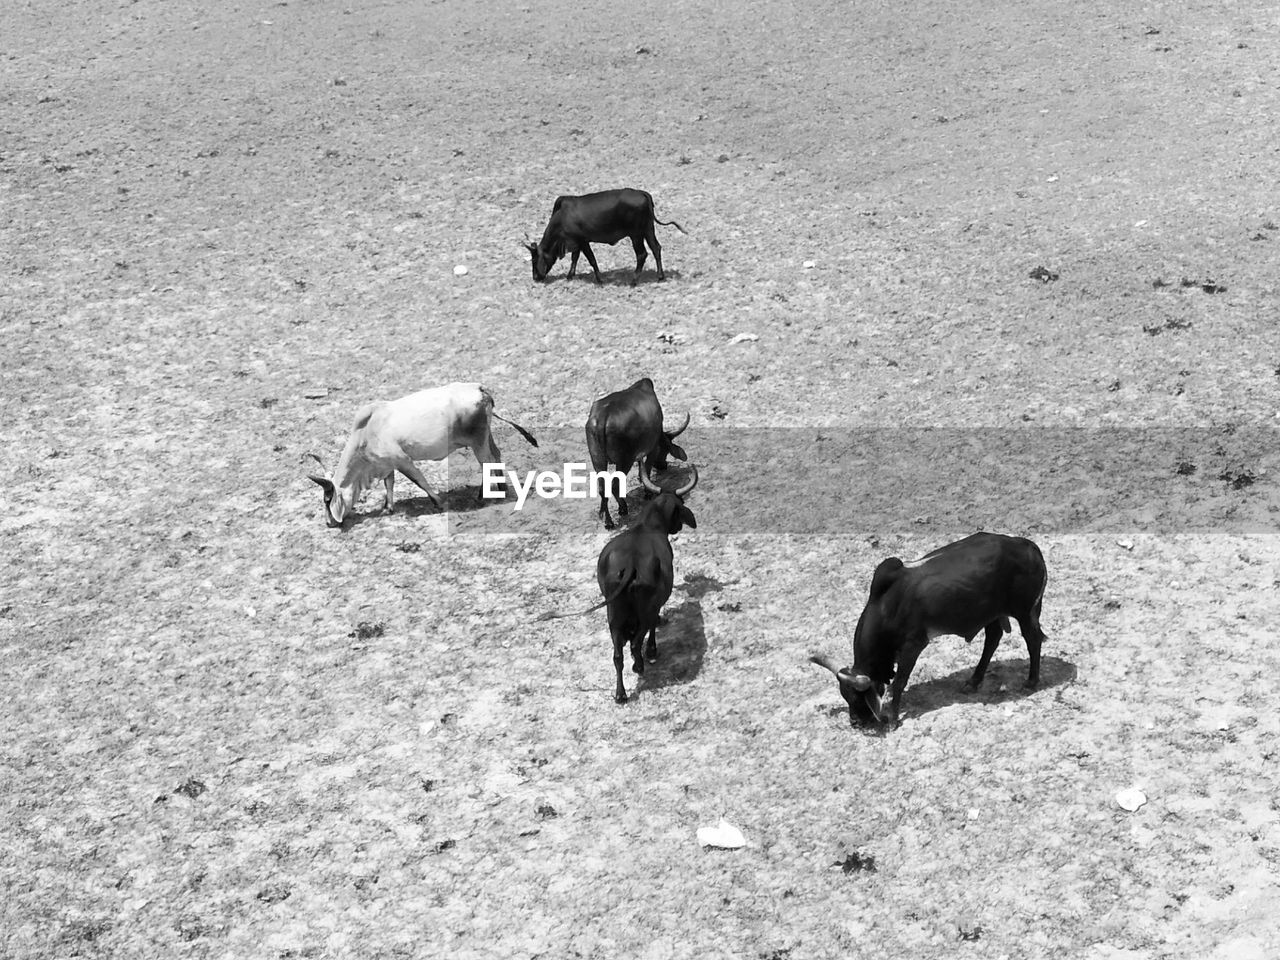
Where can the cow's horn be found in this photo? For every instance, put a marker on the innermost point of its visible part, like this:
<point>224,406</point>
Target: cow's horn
<point>824,661</point>
<point>685,490</point>
<point>317,459</point>
<point>675,433</point>
<point>857,679</point>
<point>646,479</point>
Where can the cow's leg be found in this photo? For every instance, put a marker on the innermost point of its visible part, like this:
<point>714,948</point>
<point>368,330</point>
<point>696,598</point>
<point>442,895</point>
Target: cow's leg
<point>641,256</point>
<point>389,494</point>
<point>604,504</point>
<point>652,238</point>
<point>1034,636</point>
<point>620,694</point>
<point>591,259</point>
<point>907,657</point>
<point>573,265</point>
<point>486,451</point>
<point>651,648</point>
<point>619,496</point>
<point>616,487</point>
<point>995,630</point>
<point>637,661</point>
<point>414,474</point>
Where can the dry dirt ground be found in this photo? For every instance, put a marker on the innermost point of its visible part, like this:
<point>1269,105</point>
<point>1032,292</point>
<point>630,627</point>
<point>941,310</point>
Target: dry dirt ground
<point>230,731</point>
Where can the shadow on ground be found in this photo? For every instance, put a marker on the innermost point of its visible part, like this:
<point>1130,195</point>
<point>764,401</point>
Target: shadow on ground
<point>455,500</point>
<point>682,644</point>
<point>619,276</point>
<point>919,699</point>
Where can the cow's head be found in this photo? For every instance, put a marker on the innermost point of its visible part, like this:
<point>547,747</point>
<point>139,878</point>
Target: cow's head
<point>863,695</point>
<point>544,257</point>
<point>336,503</point>
<point>670,505</point>
<point>667,447</point>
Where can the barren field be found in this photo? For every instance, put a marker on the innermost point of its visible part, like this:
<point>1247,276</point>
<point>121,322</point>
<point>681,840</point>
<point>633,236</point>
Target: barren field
<point>1006,266</point>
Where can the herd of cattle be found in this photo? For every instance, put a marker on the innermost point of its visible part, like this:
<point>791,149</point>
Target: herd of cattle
<point>972,586</point>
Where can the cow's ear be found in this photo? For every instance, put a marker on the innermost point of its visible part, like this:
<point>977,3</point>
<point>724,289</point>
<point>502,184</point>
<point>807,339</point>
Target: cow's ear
<point>677,451</point>
<point>686,516</point>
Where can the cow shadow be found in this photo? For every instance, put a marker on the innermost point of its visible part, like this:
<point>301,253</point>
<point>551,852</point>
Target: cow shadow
<point>617,277</point>
<point>698,585</point>
<point>454,500</point>
<point>682,645</point>
<point>924,698</point>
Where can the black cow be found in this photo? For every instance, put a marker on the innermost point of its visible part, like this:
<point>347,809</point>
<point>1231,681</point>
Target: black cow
<point>635,575</point>
<point>605,217</point>
<point>624,428</point>
<point>966,587</point>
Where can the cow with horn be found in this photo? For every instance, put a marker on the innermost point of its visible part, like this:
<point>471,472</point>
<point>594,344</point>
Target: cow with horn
<point>624,428</point>
<point>635,575</point>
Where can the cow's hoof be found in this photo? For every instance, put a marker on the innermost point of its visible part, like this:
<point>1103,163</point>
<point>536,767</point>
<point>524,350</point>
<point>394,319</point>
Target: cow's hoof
<point>1031,684</point>
<point>971,686</point>
<point>620,698</point>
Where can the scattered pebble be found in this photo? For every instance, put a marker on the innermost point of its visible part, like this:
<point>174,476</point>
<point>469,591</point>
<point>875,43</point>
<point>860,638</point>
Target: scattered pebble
<point>1131,799</point>
<point>856,863</point>
<point>744,338</point>
<point>723,836</point>
<point>460,270</point>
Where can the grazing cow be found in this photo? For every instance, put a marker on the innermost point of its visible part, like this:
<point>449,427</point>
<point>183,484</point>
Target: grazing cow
<point>966,587</point>
<point>624,428</point>
<point>389,435</point>
<point>635,575</point>
<point>605,217</point>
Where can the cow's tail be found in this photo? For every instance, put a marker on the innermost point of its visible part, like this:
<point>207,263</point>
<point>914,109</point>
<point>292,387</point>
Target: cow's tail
<point>622,585</point>
<point>488,400</point>
<point>670,223</point>
<point>523,432</point>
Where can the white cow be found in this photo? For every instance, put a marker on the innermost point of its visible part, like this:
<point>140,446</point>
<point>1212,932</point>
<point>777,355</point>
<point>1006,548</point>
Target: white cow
<point>389,435</point>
